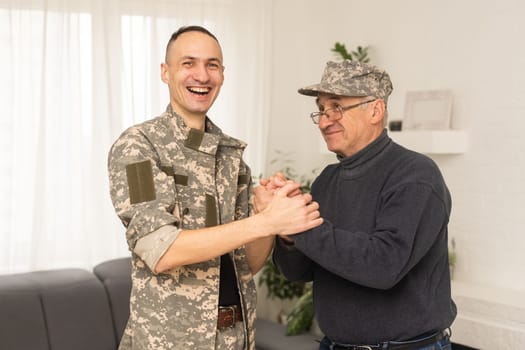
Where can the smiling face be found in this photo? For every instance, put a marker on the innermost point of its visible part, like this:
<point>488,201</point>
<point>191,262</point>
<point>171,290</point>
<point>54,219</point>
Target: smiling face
<point>357,128</point>
<point>194,73</point>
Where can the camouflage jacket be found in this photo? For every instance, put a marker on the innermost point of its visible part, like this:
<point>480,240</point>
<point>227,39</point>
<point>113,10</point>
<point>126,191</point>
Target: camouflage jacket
<point>165,177</point>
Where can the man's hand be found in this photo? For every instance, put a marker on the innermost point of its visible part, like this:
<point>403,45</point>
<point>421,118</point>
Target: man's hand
<point>263,193</point>
<point>292,214</point>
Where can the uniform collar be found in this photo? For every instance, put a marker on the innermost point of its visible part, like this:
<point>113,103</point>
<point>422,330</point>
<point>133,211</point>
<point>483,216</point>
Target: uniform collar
<point>207,141</point>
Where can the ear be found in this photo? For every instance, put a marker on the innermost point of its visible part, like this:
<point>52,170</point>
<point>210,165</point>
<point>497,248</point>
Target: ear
<point>164,74</point>
<point>378,112</point>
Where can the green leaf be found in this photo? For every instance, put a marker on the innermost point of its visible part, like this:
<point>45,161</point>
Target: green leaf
<point>341,50</point>
<point>360,54</point>
<point>300,318</point>
<point>277,285</point>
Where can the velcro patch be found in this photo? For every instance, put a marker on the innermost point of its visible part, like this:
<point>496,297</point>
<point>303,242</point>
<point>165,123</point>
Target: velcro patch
<point>168,170</point>
<point>140,182</point>
<point>211,211</point>
<point>243,180</point>
<point>181,179</point>
<point>194,139</point>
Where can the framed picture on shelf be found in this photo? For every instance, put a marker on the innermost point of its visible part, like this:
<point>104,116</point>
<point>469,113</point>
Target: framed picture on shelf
<point>428,110</point>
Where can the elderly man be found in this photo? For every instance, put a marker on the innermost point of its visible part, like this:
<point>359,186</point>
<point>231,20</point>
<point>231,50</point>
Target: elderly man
<point>379,262</point>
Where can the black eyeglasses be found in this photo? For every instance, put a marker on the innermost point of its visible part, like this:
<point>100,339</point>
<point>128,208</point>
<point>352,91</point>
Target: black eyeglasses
<point>336,113</point>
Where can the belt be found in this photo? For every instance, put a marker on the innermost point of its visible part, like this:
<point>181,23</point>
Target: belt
<point>228,315</point>
<point>394,345</point>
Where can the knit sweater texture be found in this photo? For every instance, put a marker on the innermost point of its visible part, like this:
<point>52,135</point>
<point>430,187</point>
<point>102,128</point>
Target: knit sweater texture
<point>379,262</point>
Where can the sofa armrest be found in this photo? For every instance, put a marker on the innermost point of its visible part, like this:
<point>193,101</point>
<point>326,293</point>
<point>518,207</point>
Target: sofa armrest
<point>115,275</point>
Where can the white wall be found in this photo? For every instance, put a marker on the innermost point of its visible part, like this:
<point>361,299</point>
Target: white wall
<point>474,48</point>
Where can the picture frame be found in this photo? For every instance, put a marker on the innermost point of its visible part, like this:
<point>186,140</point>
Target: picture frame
<point>428,110</point>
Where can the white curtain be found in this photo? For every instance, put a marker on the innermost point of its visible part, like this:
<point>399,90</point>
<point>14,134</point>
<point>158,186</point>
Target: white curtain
<point>75,74</point>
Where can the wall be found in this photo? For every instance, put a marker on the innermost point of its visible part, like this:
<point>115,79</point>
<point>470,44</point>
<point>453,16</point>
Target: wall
<point>476,49</point>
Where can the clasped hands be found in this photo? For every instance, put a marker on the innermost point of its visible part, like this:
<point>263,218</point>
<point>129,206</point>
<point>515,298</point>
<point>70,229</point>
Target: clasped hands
<point>288,209</point>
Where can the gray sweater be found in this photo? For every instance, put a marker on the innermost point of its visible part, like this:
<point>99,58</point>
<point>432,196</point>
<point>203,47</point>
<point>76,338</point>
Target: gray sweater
<point>379,262</point>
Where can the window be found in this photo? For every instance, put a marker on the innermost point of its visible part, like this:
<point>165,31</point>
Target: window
<point>75,75</point>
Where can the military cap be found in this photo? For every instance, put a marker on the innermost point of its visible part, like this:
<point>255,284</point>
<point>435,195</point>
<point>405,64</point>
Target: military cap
<point>352,78</point>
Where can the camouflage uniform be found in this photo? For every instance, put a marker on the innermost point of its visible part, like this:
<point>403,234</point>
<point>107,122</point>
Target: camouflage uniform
<point>165,177</point>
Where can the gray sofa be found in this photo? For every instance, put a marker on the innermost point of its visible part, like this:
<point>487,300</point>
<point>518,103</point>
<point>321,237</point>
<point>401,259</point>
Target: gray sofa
<point>65,309</point>
<point>68,309</point>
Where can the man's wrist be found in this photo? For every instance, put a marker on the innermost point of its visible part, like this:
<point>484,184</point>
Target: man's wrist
<point>286,241</point>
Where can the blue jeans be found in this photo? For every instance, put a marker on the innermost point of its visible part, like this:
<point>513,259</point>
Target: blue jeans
<point>443,344</point>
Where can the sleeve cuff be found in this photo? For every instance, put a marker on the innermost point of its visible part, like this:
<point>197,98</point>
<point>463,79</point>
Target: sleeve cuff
<point>153,246</point>
<point>286,244</point>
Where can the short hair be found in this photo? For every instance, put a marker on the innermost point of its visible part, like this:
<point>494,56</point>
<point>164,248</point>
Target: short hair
<point>186,29</point>
<point>385,116</point>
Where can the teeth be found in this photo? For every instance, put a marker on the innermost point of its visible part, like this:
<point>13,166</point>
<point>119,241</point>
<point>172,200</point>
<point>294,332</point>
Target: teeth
<point>199,90</point>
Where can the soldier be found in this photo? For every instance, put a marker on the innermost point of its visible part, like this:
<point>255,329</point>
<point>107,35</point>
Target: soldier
<point>182,190</point>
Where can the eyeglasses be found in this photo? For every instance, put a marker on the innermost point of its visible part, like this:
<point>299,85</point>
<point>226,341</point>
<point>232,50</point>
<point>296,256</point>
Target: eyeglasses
<point>336,113</point>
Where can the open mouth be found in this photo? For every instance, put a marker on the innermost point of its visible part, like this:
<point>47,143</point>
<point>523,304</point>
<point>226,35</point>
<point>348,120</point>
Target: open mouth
<point>199,90</point>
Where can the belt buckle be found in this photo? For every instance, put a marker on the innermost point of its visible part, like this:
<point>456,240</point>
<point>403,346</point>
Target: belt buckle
<point>226,318</point>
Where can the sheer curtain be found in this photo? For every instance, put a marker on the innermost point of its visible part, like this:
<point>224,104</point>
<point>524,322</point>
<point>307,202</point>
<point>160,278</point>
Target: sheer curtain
<point>75,74</point>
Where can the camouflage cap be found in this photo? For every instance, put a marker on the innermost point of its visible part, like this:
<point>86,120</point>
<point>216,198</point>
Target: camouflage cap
<point>352,78</point>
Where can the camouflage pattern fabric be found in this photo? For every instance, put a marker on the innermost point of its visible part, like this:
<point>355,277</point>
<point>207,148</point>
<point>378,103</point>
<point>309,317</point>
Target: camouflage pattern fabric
<point>230,338</point>
<point>352,78</point>
<point>170,170</point>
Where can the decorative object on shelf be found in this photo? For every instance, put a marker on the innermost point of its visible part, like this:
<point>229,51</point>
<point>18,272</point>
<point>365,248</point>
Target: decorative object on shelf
<point>428,110</point>
<point>360,54</point>
<point>395,125</point>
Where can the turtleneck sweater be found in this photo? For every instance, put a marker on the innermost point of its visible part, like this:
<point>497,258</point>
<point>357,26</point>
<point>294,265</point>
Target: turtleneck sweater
<point>379,262</point>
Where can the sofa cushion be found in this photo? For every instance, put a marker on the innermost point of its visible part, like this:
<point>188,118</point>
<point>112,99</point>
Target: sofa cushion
<point>22,322</point>
<point>70,304</point>
<point>76,309</point>
<point>116,277</point>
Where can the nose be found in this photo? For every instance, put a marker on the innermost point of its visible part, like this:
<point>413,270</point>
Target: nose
<point>324,122</point>
<point>200,73</point>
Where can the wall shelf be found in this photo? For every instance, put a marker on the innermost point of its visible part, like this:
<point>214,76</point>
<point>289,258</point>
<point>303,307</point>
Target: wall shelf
<point>432,141</point>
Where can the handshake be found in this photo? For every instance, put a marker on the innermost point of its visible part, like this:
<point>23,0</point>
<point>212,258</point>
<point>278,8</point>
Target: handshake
<point>287,209</point>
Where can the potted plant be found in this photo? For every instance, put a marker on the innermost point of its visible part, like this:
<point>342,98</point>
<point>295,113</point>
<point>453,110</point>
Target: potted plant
<point>359,54</point>
<point>452,257</point>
